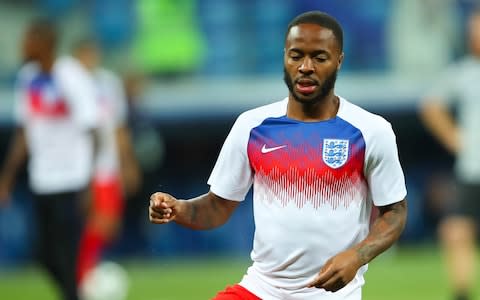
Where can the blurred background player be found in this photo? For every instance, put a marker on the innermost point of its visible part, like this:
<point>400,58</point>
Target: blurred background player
<point>460,136</point>
<point>116,174</point>
<point>56,119</point>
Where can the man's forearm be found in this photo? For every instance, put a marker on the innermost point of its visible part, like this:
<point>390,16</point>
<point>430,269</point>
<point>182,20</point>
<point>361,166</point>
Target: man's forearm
<point>384,232</point>
<point>205,212</point>
<point>441,125</point>
<point>129,169</point>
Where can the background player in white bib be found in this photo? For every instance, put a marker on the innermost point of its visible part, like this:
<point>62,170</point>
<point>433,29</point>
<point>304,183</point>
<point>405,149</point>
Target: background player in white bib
<point>461,136</point>
<point>56,119</point>
<point>318,164</point>
<point>116,171</point>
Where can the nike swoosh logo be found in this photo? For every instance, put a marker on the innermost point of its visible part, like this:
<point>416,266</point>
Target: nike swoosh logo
<point>267,150</point>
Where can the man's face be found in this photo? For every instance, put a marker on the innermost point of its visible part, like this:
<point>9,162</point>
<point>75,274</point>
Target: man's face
<point>311,61</point>
<point>89,56</point>
<point>31,46</point>
<point>36,44</point>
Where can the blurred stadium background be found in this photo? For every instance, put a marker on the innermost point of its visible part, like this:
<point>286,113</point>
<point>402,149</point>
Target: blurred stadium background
<point>200,63</point>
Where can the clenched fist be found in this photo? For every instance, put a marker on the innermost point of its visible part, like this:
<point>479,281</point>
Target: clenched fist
<point>163,208</point>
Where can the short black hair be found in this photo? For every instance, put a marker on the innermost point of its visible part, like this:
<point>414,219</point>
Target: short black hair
<point>45,29</point>
<point>321,19</point>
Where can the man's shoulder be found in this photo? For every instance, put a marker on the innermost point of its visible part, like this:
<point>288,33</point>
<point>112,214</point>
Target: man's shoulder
<point>27,71</point>
<point>66,61</point>
<point>364,120</point>
<point>68,67</point>
<point>70,75</point>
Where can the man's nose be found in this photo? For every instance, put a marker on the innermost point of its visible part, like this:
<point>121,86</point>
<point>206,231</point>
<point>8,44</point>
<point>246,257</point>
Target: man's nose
<point>307,66</point>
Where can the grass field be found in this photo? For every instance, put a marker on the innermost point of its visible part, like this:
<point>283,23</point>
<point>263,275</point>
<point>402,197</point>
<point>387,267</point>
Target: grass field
<point>405,274</point>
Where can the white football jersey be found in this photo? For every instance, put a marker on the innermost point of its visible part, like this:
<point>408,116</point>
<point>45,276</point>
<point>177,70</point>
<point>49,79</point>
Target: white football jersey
<point>314,184</point>
<point>57,111</point>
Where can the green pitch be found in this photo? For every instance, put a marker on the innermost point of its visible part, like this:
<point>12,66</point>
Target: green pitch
<point>414,273</point>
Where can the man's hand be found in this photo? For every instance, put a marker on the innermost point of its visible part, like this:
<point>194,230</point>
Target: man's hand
<point>163,208</point>
<point>338,271</point>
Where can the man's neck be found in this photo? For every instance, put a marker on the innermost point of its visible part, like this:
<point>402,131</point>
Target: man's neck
<point>46,63</point>
<point>322,110</point>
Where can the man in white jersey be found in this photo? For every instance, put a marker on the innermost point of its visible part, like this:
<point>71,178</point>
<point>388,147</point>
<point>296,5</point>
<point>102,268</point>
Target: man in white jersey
<point>116,170</point>
<point>318,164</point>
<point>460,85</point>
<point>55,118</point>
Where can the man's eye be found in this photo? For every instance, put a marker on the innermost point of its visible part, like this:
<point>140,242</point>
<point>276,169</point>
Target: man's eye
<point>320,59</point>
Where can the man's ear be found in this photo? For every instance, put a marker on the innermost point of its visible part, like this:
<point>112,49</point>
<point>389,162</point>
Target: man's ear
<point>340,61</point>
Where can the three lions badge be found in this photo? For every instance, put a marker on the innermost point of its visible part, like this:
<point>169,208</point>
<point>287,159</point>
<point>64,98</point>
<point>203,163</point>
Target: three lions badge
<point>335,152</point>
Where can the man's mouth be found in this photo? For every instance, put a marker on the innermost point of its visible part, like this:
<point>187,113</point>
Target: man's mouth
<point>306,85</point>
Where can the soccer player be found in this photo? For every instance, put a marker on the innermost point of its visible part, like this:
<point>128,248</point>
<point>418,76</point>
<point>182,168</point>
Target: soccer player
<point>116,171</point>
<point>318,163</point>
<point>459,85</point>
<point>56,119</point>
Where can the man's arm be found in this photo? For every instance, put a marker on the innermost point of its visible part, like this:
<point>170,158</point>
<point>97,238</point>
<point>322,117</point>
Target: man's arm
<point>437,119</point>
<point>339,270</point>
<point>203,212</point>
<point>385,231</point>
<point>16,156</point>
<point>129,168</point>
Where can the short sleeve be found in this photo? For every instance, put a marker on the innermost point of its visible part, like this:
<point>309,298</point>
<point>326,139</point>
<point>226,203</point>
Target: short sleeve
<point>232,175</point>
<point>384,173</point>
<point>444,89</point>
<point>79,89</point>
<point>20,97</point>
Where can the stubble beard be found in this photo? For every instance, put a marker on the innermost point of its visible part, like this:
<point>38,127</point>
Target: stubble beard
<point>325,88</point>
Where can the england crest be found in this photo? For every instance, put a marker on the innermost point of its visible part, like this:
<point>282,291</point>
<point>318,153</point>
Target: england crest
<point>335,152</point>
